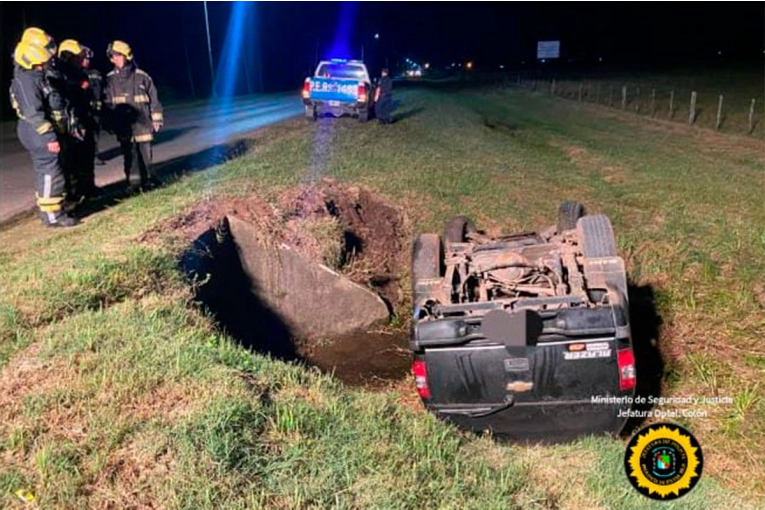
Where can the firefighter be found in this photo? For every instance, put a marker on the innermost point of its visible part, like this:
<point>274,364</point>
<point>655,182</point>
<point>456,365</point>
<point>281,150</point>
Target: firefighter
<point>133,113</point>
<point>78,149</point>
<point>384,98</point>
<point>40,110</point>
<point>96,88</point>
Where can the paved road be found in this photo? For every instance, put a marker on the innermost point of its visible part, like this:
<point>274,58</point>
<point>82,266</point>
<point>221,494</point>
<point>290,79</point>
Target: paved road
<point>187,130</point>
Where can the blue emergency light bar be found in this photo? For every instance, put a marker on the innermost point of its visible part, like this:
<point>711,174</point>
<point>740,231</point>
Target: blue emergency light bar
<point>345,61</point>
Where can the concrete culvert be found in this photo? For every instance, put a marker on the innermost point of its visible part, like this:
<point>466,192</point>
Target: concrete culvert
<point>312,278</point>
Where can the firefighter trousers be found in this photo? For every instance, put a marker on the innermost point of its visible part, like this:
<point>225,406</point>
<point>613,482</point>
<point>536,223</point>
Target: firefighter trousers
<point>137,162</point>
<point>78,162</point>
<point>50,182</point>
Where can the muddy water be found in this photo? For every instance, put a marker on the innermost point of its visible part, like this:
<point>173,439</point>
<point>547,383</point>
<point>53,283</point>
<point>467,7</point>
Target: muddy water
<point>369,360</point>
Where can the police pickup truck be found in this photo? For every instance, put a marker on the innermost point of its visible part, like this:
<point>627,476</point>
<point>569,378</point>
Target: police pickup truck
<point>526,335</point>
<point>338,87</point>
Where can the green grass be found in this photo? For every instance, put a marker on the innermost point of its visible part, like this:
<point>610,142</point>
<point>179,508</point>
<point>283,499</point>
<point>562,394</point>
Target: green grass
<point>118,391</point>
<point>649,94</point>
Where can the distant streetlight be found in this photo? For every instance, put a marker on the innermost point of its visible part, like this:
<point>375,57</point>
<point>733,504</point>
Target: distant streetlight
<point>469,65</point>
<point>377,36</point>
<point>427,65</point>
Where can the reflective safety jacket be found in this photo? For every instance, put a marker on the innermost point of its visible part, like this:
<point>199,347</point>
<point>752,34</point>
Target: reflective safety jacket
<point>131,104</point>
<point>37,103</point>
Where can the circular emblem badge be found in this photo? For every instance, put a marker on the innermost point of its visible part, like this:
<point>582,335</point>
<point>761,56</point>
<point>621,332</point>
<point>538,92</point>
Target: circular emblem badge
<point>663,461</point>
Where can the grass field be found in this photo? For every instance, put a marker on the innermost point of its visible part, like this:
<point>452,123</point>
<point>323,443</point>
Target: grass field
<point>119,393</point>
<point>652,94</point>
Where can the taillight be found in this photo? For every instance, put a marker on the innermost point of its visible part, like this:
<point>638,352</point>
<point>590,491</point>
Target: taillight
<point>421,378</point>
<point>625,358</point>
<point>307,88</point>
<point>361,93</point>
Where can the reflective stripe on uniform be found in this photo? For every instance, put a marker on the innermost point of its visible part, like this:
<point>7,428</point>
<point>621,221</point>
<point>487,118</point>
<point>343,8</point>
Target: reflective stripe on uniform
<point>141,98</point>
<point>15,105</point>
<point>44,128</point>
<point>49,204</point>
<point>157,117</point>
<point>49,208</point>
<point>119,100</point>
<point>143,138</point>
<point>48,182</point>
<point>49,200</point>
<point>57,115</point>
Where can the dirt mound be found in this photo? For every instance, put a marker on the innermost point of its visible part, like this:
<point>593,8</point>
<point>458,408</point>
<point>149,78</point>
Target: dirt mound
<point>349,228</point>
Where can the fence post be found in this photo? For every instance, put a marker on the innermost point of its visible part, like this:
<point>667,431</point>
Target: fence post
<point>552,87</point>
<point>692,114</point>
<point>719,113</point>
<point>597,94</point>
<point>610,96</point>
<point>637,100</point>
<point>653,102</point>
<point>580,91</point>
<point>624,97</point>
<point>751,117</point>
<point>671,104</point>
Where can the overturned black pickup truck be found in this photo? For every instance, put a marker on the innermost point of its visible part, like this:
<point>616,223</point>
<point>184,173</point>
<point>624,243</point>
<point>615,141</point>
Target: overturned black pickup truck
<point>525,335</point>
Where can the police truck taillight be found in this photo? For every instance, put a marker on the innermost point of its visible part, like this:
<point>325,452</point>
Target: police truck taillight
<point>421,378</point>
<point>307,88</point>
<point>625,359</point>
<point>361,93</point>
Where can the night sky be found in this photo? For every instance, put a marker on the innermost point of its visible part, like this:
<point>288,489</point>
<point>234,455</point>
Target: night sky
<point>280,40</point>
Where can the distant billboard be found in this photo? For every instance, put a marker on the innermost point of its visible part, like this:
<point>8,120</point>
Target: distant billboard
<point>548,49</point>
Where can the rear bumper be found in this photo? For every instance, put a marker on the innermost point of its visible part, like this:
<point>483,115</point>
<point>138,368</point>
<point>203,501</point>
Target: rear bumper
<point>325,106</point>
<point>547,421</point>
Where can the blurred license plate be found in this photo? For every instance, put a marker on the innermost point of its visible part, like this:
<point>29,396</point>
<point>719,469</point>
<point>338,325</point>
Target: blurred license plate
<point>334,103</point>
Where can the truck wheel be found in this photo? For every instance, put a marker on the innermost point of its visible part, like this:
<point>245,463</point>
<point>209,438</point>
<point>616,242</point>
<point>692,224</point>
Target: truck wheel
<point>597,236</point>
<point>457,229</point>
<point>426,260</point>
<point>364,116</point>
<point>568,214</point>
<point>310,113</point>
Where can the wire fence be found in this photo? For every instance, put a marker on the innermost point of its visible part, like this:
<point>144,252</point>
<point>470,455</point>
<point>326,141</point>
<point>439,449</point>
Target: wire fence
<point>739,111</point>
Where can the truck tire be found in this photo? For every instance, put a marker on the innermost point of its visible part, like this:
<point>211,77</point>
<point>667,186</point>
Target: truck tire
<point>363,115</point>
<point>427,257</point>
<point>596,236</point>
<point>568,214</point>
<point>457,229</point>
<point>310,113</point>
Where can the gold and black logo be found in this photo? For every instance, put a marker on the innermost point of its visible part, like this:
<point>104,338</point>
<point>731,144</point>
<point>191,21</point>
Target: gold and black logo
<point>663,461</point>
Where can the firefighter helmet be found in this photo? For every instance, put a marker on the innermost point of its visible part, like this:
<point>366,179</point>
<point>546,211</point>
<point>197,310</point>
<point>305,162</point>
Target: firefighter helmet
<point>39,37</point>
<point>120,47</point>
<point>69,46</point>
<point>28,55</point>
